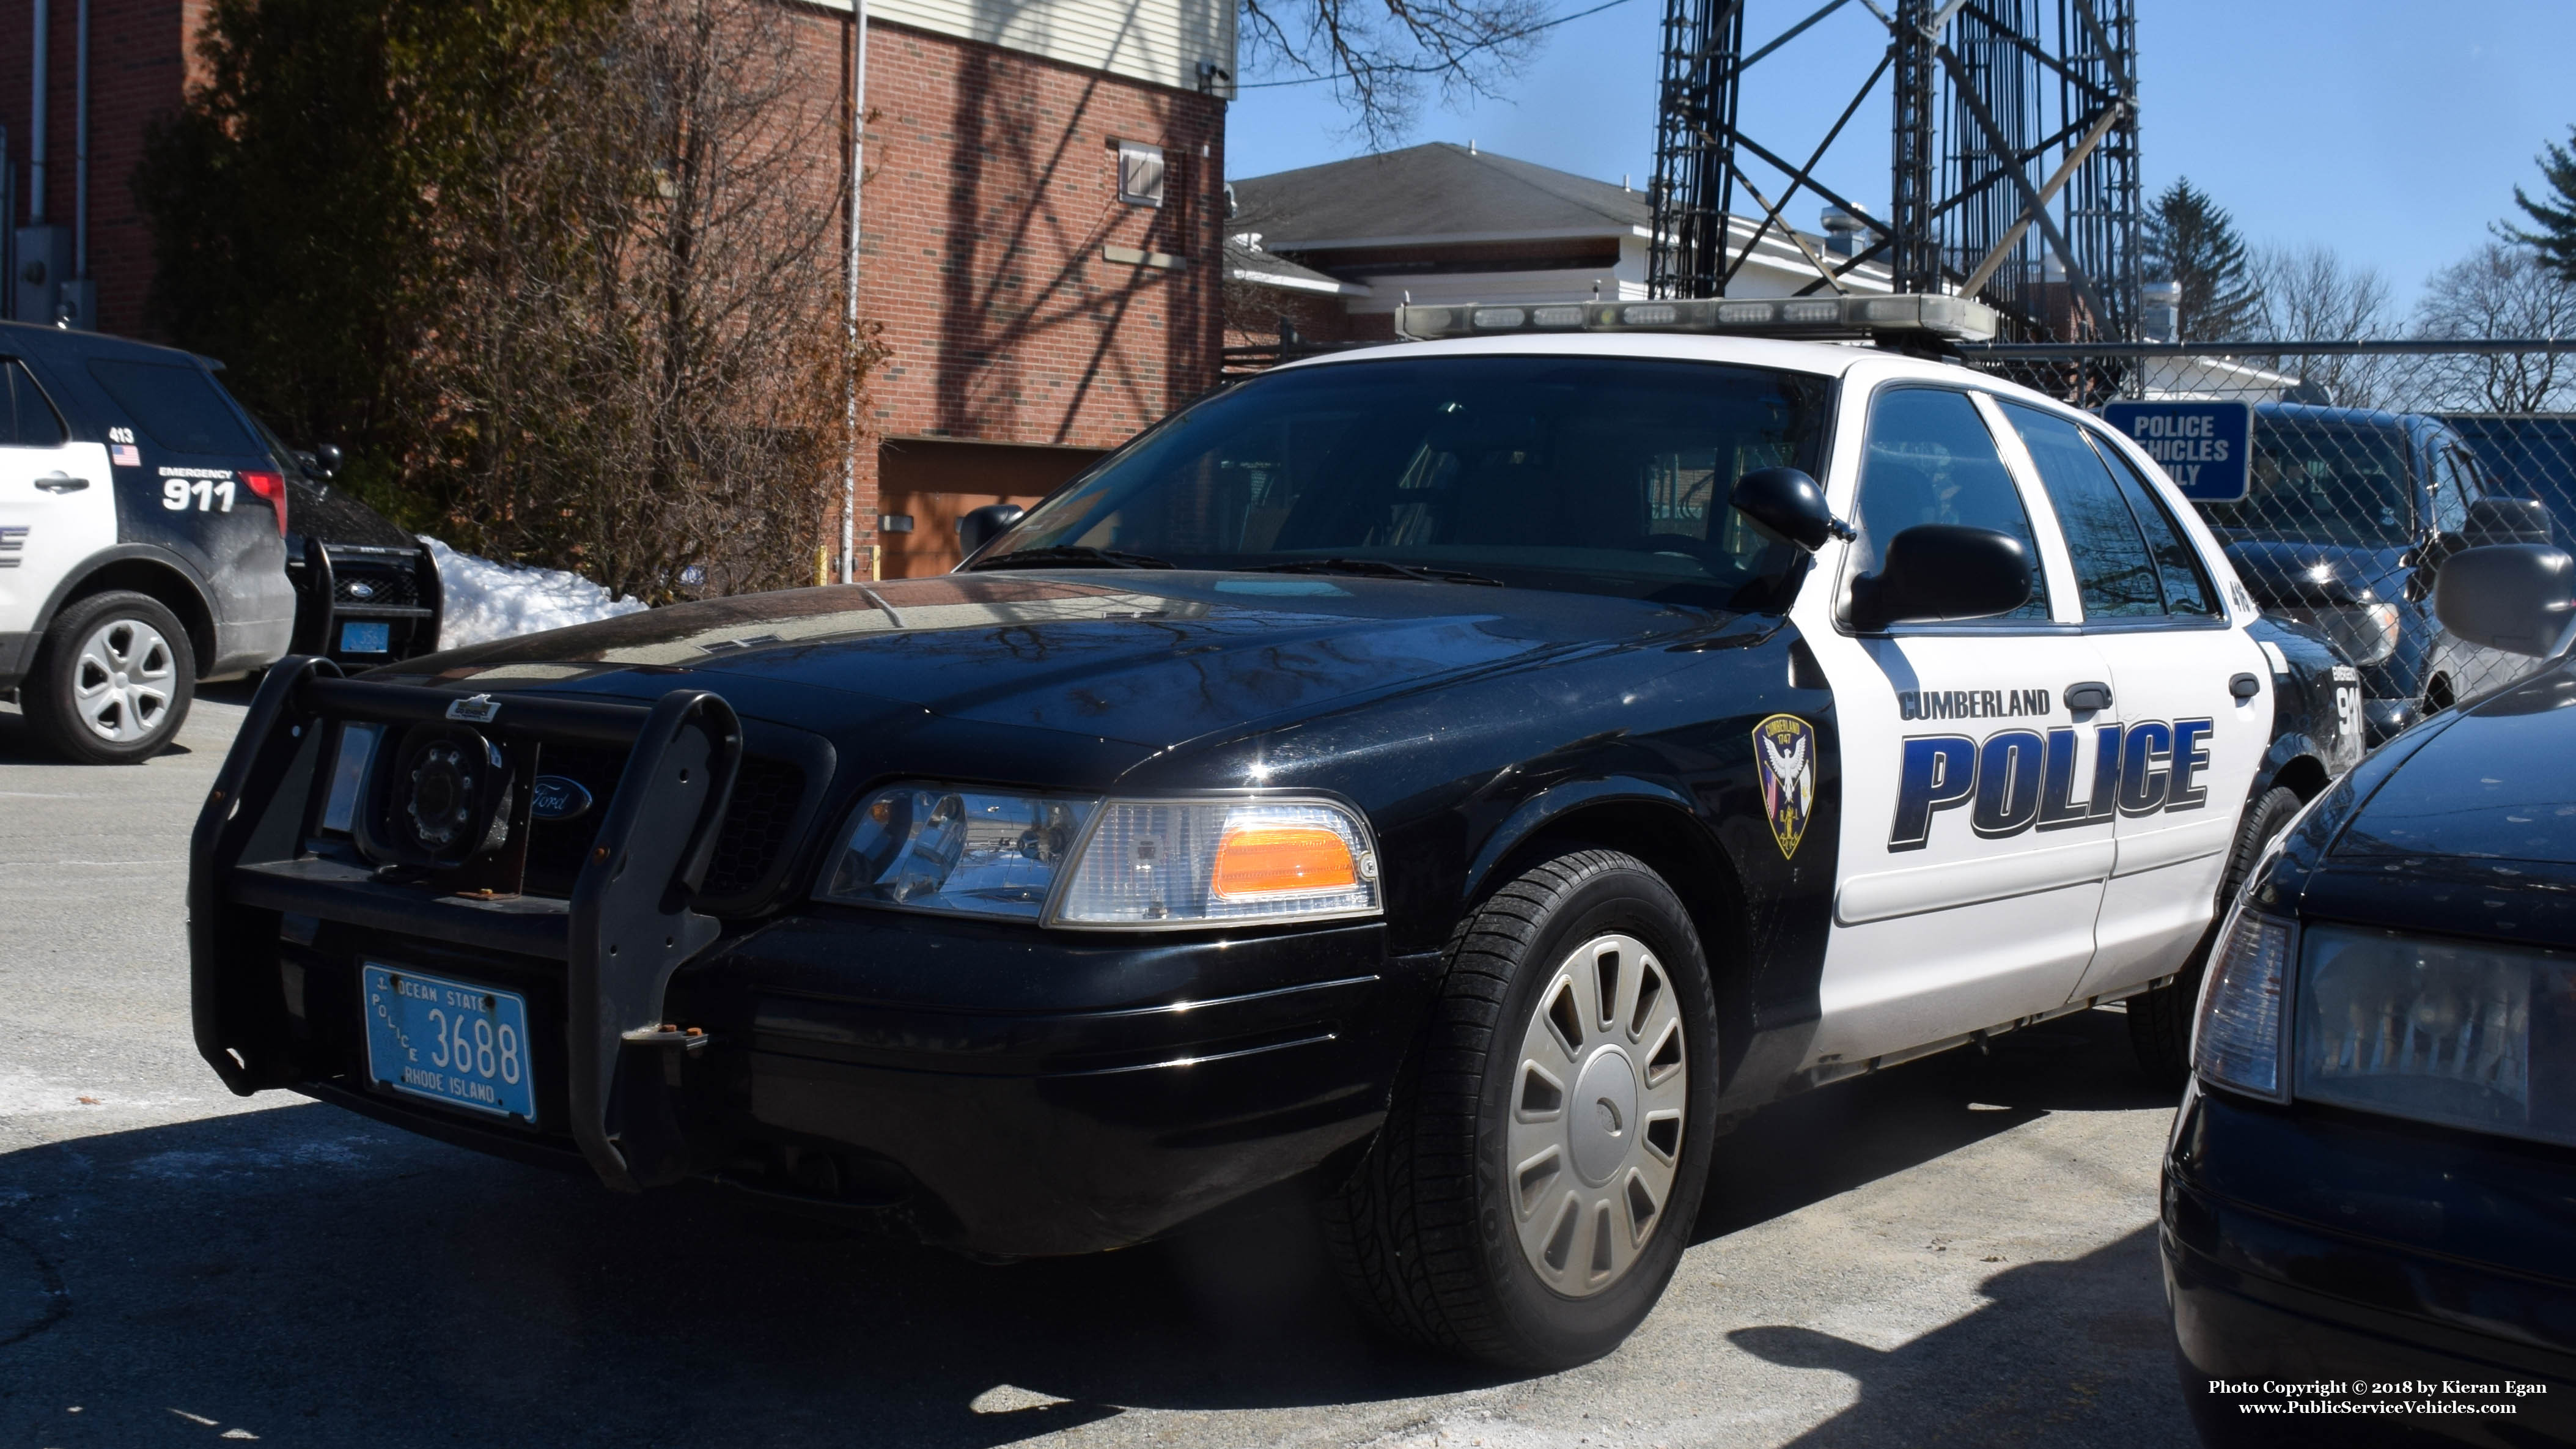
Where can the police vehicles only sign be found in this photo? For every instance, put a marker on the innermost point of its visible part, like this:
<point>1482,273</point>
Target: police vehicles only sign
<point>2207,447</point>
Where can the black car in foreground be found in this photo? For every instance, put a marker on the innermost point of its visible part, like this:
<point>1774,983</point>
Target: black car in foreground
<point>2369,1215</point>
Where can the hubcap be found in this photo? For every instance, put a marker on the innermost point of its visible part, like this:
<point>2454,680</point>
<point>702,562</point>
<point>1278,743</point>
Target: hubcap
<point>122,680</point>
<point>1593,1163</point>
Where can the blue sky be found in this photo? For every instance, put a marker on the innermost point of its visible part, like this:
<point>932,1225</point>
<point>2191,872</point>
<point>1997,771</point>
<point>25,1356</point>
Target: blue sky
<point>2393,132</point>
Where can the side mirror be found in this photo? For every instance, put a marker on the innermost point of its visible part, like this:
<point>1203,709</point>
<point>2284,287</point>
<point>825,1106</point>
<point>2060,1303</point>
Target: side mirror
<point>1941,571</point>
<point>2506,520</point>
<point>327,459</point>
<point>980,526</point>
<point>2518,597</point>
<point>1787,503</point>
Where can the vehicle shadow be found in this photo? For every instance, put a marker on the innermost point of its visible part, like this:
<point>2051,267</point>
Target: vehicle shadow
<point>312,1278</point>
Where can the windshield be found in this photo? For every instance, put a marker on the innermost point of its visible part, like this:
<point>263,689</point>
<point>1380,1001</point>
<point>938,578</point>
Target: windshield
<point>1594,475</point>
<point>2323,483</point>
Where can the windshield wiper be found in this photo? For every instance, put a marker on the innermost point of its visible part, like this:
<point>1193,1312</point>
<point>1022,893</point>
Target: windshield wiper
<point>1376,568</point>
<point>1071,555</point>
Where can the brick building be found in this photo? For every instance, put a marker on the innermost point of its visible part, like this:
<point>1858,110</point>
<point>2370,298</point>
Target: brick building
<point>1042,226</point>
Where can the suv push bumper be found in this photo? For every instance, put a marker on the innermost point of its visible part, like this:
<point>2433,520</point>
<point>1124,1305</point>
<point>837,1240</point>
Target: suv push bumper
<point>994,1088</point>
<point>2300,1247</point>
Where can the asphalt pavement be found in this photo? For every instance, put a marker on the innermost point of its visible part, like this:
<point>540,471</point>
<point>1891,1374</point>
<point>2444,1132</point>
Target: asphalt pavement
<point>1960,1251</point>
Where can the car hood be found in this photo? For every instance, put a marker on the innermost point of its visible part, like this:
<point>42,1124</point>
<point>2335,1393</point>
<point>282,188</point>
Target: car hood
<point>1148,659</point>
<point>333,515</point>
<point>2499,783</point>
<point>2290,572</point>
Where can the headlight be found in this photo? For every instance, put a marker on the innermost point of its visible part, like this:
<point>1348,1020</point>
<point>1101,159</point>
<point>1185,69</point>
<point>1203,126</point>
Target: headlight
<point>1104,865</point>
<point>2438,1031</point>
<point>956,849</point>
<point>2363,633</point>
<point>2237,1041</point>
<point>1163,863</point>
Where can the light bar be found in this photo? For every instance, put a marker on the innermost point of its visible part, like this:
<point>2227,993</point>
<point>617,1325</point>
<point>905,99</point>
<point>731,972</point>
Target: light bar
<point>1955,318</point>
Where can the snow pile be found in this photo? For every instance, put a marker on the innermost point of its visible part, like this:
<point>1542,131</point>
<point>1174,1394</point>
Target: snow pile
<point>487,600</point>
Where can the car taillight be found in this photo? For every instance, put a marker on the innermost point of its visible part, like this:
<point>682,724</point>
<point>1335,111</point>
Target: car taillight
<point>271,486</point>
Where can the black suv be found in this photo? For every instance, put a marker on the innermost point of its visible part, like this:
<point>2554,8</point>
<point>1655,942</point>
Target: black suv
<point>366,592</point>
<point>2350,514</point>
<point>142,539</point>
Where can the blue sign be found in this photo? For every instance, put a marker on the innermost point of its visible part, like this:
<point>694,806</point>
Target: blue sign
<point>2206,447</point>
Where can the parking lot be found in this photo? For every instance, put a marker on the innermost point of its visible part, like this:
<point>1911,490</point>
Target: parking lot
<point>1960,1251</point>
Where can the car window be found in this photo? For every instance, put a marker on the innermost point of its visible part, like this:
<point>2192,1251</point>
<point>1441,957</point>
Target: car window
<point>1601,475</point>
<point>27,420</point>
<point>2321,481</point>
<point>177,406</point>
<point>2113,574</point>
<point>1930,459</point>
<point>2186,586</point>
<point>2451,492</point>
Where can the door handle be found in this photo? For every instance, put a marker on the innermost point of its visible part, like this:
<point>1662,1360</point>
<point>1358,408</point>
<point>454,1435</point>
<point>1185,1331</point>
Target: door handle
<point>2245,686</point>
<point>2092,694</point>
<point>61,482</point>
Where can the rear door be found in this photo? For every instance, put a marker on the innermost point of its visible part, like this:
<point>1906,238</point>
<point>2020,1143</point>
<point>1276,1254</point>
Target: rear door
<point>2187,742</point>
<point>57,503</point>
<point>1972,859</point>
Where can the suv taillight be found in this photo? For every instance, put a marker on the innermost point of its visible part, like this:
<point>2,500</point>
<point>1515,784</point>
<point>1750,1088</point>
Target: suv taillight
<point>271,486</point>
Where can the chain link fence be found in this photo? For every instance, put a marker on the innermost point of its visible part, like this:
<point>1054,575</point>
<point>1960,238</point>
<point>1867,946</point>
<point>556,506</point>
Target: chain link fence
<point>2371,463</point>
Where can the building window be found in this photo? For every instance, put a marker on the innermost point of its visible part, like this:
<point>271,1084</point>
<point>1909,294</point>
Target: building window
<point>1140,174</point>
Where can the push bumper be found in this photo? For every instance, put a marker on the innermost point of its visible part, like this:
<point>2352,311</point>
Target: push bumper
<point>996,1088</point>
<point>2302,1247</point>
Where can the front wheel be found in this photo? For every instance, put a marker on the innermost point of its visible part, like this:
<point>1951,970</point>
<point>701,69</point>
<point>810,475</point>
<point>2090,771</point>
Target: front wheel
<point>112,681</point>
<point>2160,1020</point>
<point>1543,1160</point>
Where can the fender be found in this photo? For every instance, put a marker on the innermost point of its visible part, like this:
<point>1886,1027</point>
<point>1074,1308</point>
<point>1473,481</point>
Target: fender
<point>1534,813</point>
<point>121,553</point>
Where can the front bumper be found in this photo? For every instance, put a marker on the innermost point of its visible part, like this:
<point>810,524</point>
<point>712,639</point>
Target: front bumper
<point>995,1088</point>
<point>2303,1245</point>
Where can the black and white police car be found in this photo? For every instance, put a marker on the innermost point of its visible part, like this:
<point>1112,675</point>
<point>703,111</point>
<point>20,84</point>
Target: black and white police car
<point>141,539</point>
<point>1469,772</point>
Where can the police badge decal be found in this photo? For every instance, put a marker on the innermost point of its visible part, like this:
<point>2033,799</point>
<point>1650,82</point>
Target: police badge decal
<point>1785,747</point>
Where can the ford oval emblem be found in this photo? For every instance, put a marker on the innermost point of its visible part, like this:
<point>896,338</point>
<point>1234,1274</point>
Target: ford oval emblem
<point>360,589</point>
<point>555,798</point>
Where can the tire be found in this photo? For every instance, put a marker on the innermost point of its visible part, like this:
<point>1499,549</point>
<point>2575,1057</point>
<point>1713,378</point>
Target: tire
<point>112,681</point>
<point>1475,1222</point>
<point>2160,1020</point>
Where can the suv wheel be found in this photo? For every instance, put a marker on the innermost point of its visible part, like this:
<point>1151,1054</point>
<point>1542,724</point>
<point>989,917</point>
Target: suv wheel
<point>1542,1163</point>
<point>112,680</point>
<point>2160,1020</point>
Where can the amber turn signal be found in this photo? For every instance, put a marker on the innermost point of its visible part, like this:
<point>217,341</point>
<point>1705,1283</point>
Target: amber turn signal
<point>1274,860</point>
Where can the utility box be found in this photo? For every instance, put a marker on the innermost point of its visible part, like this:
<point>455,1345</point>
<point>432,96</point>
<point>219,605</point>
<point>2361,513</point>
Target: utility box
<point>42,264</point>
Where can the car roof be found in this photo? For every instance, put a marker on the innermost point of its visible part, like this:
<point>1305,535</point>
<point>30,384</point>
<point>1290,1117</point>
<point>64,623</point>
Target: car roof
<point>28,339</point>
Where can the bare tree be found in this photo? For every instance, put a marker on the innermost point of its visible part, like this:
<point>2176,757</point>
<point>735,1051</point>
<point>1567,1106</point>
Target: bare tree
<point>2500,290</point>
<point>2311,294</point>
<point>637,375</point>
<point>1377,55</point>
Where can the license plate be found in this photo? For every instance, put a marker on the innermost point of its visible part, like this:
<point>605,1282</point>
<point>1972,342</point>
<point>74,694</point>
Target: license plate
<point>366,638</point>
<point>449,1041</point>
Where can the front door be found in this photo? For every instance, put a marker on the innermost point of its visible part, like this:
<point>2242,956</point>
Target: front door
<point>1973,852</point>
<point>2192,695</point>
<point>57,500</point>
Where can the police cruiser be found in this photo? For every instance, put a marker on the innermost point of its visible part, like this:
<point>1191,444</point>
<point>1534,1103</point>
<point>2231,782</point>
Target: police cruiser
<point>1466,774</point>
<point>142,525</point>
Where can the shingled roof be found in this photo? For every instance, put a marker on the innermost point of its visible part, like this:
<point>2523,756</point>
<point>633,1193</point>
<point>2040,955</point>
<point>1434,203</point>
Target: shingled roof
<point>1433,192</point>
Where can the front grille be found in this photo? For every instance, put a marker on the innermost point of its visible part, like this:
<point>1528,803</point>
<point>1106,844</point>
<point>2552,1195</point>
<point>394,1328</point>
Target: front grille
<point>766,794</point>
<point>372,587</point>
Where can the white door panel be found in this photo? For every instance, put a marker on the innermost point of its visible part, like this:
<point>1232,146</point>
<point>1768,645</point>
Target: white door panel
<point>57,507</point>
<point>1913,980</point>
<point>1886,894</point>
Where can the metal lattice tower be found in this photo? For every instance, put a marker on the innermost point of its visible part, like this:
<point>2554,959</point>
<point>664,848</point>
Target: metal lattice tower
<point>2013,167</point>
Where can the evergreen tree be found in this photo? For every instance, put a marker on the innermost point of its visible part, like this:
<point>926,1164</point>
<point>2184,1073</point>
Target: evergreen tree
<point>2190,239</point>
<point>2554,215</point>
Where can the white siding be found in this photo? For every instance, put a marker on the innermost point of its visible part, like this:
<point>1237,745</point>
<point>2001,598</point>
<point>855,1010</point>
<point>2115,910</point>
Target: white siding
<point>1161,41</point>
